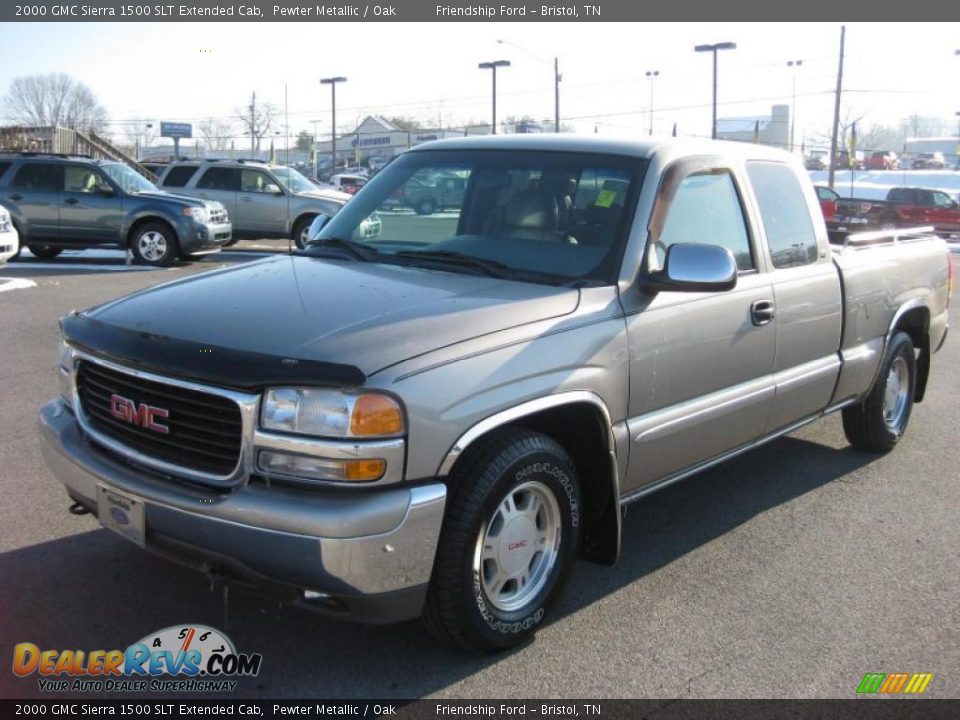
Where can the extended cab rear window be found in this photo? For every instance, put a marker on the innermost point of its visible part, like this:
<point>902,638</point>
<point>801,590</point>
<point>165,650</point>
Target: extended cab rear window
<point>179,176</point>
<point>785,215</point>
<point>36,176</point>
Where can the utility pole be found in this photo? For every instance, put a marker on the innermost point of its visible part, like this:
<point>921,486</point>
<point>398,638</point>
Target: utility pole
<point>253,121</point>
<point>651,74</point>
<point>793,103</point>
<point>557,77</point>
<point>836,110</point>
<point>332,82</point>
<point>713,49</point>
<point>493,67</point>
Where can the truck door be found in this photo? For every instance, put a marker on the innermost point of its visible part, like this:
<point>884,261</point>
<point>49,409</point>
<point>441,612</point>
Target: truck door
<point>700,363</point>
<point>91,209</point>
<point>807,312</point>
<point>944,213</point>
<point>34,195</point>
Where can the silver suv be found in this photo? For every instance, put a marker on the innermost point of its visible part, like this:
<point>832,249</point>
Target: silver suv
<point>262,200</point>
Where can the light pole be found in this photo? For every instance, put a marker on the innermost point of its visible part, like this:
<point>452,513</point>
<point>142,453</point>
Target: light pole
<point>793,103</point>
<point>652,74</point>
<point>332,82</point>
<point>493,67</point>
<point>557,77</point>
<point>713,49</point>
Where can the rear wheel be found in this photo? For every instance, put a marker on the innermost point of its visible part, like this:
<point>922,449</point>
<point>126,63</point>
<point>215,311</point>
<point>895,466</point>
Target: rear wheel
<point>154,244</point>
<point>878,423</point>
<point>888,222</point>
<point>44,251</point>
<point>426,206</point>
<point>509,538</point>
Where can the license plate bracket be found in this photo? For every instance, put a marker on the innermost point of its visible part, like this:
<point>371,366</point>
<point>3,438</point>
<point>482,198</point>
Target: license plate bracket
<point>123,514</point>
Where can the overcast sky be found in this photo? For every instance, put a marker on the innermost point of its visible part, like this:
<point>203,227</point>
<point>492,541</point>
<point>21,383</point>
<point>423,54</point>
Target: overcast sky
<point>190,71</point>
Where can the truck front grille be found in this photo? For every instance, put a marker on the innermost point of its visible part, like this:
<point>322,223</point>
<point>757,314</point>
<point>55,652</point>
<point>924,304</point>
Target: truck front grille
<point>203,430</point>
<point>218,216</point>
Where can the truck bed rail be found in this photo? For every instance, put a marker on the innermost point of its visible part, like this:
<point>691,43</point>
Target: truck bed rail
<point>892,237</point>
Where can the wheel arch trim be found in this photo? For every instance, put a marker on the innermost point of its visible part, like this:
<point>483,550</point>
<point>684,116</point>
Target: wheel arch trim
<point>524,409</point>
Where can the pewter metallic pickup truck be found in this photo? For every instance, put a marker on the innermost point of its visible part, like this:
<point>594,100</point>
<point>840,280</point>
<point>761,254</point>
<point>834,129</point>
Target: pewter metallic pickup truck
<point>437,421</point>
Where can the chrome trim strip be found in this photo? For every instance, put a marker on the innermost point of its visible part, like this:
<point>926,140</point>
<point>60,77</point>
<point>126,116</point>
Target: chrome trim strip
<point>754,444</point>
<point>518,411</point>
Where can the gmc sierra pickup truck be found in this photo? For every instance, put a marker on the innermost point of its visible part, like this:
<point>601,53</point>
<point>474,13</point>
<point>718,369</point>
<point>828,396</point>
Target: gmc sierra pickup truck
<point>397,427</point>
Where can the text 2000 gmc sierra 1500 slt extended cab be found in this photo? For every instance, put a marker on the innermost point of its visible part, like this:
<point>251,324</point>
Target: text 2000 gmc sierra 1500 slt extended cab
<point>437,421</point>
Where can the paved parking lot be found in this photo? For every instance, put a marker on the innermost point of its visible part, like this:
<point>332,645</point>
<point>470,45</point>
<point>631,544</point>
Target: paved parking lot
<point>791,571</point>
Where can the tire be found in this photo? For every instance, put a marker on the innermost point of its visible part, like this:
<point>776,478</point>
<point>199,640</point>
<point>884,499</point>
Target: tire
<point>509,538</point>
<point>43,251</point>
<point>878,423</point>
<point>154,244</point>
<point>888,223</point>
<point>426,206</point>
<point>300,230</point>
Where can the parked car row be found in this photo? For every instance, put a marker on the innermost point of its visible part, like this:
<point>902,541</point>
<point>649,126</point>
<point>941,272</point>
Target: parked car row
<point>58,202</point>
<point>903,207</point>
<point>878,160</point>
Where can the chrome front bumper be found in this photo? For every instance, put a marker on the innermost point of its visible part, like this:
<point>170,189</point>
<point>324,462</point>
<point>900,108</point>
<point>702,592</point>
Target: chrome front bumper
<point>363,555</point>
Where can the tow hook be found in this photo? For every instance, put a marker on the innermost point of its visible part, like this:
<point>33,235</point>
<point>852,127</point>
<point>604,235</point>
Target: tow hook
<point>78,509</point>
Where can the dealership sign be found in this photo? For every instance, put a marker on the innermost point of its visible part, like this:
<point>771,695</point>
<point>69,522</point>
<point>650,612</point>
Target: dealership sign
<point>176,130</point>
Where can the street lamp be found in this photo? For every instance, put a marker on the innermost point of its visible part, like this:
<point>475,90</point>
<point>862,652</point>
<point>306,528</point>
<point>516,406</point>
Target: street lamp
<point>332,82</point>
<point>493,66</point>
<point>713,49</point>
<point>652,74</point>
<point>793,106</point>
<point>557,77</point>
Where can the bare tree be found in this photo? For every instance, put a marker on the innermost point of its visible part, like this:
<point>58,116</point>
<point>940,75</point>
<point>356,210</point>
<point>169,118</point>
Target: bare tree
<point>216,133</point>
<point>257,119</point>
<point>141,133</point>
<point>54,100</point>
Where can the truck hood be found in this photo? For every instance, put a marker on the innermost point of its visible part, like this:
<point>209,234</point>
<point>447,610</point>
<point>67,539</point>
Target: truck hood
<point>328,313</point>
<point>331,195</point>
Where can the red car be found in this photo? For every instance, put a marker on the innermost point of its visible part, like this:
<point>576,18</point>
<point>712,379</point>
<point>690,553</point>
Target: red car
<point>828,203</point>
<point>883,160</point>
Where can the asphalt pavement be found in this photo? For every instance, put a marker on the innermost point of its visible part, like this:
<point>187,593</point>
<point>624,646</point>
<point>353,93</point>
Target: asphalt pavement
<point>787,572</point>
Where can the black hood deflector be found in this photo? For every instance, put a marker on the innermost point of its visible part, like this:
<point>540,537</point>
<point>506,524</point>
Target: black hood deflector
<point>189,360</point>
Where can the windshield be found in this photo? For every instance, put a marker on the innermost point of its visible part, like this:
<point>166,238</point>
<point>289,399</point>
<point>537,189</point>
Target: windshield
<point>292,180</point>
<point>541,216</point>
<point>129,180</point>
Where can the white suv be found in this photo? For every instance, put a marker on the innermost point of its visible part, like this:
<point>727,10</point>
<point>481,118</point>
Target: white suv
<point>9,238</point>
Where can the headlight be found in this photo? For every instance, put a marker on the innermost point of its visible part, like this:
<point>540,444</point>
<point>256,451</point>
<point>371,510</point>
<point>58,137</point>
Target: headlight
<point>329,413</point>
<point>197,213</point>
<point>4,221</point>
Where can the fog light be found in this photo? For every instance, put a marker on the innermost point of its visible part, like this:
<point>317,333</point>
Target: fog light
<point>314,468</point>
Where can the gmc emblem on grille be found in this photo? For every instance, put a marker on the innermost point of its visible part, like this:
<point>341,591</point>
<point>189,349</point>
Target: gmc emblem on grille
<point>143,415</point>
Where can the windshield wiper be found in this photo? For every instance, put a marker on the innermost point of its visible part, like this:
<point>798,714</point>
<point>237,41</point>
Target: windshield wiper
<point>451,257</point>
<point>355,250</point>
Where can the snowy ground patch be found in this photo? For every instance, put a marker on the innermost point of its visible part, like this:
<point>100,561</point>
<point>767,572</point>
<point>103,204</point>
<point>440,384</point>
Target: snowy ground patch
<point>15,284</point>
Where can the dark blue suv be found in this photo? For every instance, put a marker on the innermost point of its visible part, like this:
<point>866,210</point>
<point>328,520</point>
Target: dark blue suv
<point>59,202</point>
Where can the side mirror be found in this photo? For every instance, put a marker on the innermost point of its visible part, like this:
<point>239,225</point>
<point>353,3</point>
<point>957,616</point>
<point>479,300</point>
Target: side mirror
<point>694,267</point>
<point>316,226</point>
<point>273,189</point>
<point>104,189</point>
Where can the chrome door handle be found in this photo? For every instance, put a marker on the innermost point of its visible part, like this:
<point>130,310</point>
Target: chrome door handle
<point>762,312</point>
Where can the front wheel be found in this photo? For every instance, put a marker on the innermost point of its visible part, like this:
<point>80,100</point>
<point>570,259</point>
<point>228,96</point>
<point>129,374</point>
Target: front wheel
<point>878,423</point>
<point>45,252</point>
<point>509,539</point>
<point>301,232</point>
<point>154,244</point>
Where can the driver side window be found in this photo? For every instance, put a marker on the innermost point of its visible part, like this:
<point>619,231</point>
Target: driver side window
<point>707,210</point>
